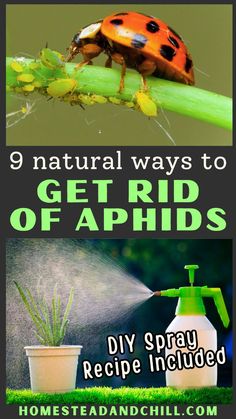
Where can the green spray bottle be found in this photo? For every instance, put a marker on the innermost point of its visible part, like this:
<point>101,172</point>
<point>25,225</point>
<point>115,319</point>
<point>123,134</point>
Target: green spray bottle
<point>190,315</point>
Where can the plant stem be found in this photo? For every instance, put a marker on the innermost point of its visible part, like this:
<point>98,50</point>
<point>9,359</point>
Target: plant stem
<point>186,100</point>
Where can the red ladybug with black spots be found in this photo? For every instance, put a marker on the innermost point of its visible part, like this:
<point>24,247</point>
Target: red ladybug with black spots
<point>137,41</point>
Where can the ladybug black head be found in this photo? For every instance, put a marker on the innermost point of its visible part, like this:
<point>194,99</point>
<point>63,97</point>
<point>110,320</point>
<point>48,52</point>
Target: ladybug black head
<point>74,47</point>
<point>76,39</point>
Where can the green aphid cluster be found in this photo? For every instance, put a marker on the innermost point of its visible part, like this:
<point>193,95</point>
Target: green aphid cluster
<point>63,90</point>
<point>36,76</point>
<point>25,75</point>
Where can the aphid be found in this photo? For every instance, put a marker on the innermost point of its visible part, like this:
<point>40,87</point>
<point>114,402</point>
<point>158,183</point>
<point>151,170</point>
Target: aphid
<point>61,87</point>
<point>28,88</point>
<point>146,104</point>
<point>25,77</point>
<point>37,84</point>
<point>17,67</point>
<point>51,59</point>
<point>129,104</point>
<point>34,66</point>
<point>138,41</point>
<point>99,99</point>
<point>114,100</point>
<point>86,100</point>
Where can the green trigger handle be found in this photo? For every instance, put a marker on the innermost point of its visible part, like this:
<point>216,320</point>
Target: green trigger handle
<point>216,294</point>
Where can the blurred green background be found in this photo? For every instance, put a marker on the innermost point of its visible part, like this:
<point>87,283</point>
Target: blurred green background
<point>207,31</point>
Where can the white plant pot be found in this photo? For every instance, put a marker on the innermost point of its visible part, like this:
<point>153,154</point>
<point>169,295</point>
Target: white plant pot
<point>53,368</point>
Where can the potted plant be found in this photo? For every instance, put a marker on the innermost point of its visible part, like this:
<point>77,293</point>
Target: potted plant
<point>52,366</point>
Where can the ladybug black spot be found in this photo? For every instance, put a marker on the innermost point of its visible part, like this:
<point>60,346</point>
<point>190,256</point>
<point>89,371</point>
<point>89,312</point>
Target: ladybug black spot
<point>175,33</point>
<point>121,14</point>
<point>173,41</point>
<point>152,26</point>
<point>167,52</point>
<point>138,41</point>
<point>188,64</point>
<point>116,22</point>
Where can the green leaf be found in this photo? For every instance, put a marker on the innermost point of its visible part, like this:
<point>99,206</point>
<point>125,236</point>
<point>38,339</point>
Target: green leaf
<point>66,314</point>
<point>51,326</point>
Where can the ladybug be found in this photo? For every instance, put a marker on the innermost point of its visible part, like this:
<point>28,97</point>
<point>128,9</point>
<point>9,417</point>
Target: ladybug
<point>136,41</point>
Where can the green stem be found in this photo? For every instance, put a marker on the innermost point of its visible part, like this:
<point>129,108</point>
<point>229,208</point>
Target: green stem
<point>186,100</point>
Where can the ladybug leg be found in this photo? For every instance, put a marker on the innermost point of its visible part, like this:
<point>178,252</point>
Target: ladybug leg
<point>108,63</point>
<point>82,63</point>
<point>89,51</point>
<point>119,59</point>
<point>144,86</point>
<point>146,68</point>
<point>122,78</point>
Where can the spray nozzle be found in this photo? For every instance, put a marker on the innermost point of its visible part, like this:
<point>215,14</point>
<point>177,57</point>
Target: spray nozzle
<point>191,272</point>
<point>157,293</point>
<point>191,298</point>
